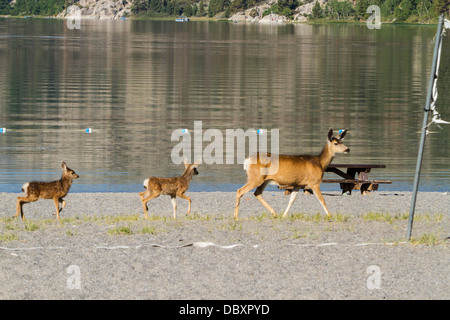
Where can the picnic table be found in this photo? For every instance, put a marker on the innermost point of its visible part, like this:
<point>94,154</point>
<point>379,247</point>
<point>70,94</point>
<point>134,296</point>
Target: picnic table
<point>356,177</point>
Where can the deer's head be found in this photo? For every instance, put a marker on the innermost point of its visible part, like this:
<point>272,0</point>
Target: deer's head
<point>336,144</point>
<point>68,173</point>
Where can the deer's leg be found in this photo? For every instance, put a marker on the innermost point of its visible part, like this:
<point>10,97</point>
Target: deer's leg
<point>20,202</point>
<point>294,194</point>
<point>144,194</point>
<point>239,193</point>
<point>188,200</point>
<point>56,201</point>
<point>258,195</point>
<point>145,200</point>
<point>316,190</point>
<point>174,204</point>
<point>63,205</point>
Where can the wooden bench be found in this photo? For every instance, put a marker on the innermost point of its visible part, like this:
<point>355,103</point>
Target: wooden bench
<point>355,178</point>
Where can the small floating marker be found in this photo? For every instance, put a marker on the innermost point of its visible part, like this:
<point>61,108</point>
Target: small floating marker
<point>341,130</point>
<point>89,130</point>
<point>184,130</point>
<point>3,130</point>
<point>260,131</point>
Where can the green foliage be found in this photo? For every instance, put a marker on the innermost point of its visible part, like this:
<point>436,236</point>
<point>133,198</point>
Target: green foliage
<point>391,10</point>
<point>340,10</point>
<point>283,7</point>
<point>168,8</point>
<point>317,11</point>
<point>32,7</point>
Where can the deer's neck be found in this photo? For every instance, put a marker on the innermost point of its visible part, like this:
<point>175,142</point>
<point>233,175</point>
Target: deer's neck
<point>326,156</point>
<point>66,183</point>
<point>187,176</point>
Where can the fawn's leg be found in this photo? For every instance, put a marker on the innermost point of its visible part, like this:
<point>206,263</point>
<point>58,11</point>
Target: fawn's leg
<point>145,200</point>
<point>20,202</point>
<point>188,200</point>
<point>63,205</point>
<point>56,201</point>
<point>144,194</point>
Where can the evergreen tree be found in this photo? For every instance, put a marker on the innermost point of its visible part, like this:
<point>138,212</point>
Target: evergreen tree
<point>439,7</point>
<point>187,10</point>
<point>201,9</point>
<point>4,7</point>
<point>317,10</point>
<point>155,6</point>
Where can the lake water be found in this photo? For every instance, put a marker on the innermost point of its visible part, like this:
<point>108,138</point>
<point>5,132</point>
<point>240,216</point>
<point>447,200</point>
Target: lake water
<point>135,82</point>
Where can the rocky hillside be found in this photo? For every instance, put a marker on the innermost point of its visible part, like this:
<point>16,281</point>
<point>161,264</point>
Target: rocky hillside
<point>99,9</point>
<point>116,9</point>
<point>255,14</point>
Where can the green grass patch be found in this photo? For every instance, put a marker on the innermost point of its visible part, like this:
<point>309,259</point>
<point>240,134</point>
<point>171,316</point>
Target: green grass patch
<point>427,239</point>
<point>9,237</point>
<point>118,231</point>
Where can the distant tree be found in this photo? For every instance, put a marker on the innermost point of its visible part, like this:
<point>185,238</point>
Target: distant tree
<point>361,9</point>
<point>388,7</point>
<point>138,6</point>
<point>177,9</point>
<point>187,11</point>
<point>423,9</point>
<point>317,11</point>
<point>4,7</point>
<point>155,6</point>
<point>201,9</point>
<point>170,8</point>
<point>403,11</point>
<point>227,13</point>
<point>439,7</point>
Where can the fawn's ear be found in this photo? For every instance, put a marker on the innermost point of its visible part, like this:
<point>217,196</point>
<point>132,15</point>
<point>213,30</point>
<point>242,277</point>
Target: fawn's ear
<point>64,166</point>
<point>198,162</point>
<point>186,161</point>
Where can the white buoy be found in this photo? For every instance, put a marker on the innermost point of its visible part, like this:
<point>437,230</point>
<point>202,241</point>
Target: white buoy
<point>3,130</point>
<point>184,130</point>
<point>89,130</point>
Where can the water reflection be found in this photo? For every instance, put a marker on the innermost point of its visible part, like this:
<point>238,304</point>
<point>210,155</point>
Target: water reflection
<point>135,82</point>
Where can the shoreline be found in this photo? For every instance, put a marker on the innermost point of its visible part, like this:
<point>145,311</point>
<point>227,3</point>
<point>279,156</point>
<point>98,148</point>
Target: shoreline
<point>228,20</point>
<point>209,255</point>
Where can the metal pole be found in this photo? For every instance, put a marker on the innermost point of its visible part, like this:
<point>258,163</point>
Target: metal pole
<point>424,129</point>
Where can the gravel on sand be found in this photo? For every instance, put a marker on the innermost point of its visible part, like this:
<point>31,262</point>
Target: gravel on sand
<point>104,249</point>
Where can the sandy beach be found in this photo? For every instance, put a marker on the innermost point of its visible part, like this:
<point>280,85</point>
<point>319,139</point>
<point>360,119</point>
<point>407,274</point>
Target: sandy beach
<point>104,249</point>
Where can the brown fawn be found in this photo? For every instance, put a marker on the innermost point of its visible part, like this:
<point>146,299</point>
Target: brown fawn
<point>298,171</point>
<point>173,187</point>
<point>55,190</point>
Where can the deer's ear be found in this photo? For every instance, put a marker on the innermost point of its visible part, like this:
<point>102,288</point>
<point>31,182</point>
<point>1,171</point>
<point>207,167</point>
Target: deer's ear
<point>342,135</point>
<point>64,165</point>
<point>330,135</point>
<point>186,161</point>
<point>198,162</point>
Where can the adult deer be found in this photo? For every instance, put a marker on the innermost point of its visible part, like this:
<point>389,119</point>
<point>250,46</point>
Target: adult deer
<point>298,171</point>
<point>55,190</point>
